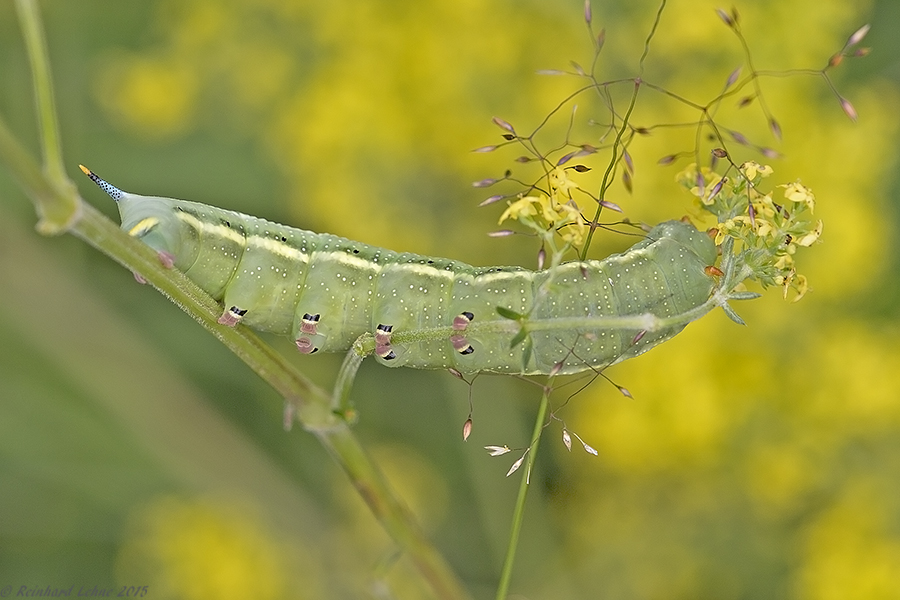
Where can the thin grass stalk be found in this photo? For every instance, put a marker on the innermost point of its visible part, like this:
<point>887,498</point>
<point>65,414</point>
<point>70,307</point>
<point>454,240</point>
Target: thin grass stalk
<point>54,216</point>
<point>524,485</point>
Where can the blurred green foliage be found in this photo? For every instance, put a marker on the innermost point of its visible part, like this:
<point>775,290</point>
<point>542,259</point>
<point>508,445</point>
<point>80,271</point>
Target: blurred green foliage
<point>756,462</point>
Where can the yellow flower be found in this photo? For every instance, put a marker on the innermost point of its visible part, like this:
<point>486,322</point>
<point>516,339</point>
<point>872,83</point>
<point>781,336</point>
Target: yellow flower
<point>711,180</point>
<point>764,206</point>
<point>796,192</point>
<point>721,233</point>
<point>783,262</point>
<point>687,176</point>
<point>523,207</point>
<point>785,282</point>
<point>802,286</point>
<point>573,226</point>
<point>688,179</point>
<point>542,212</point>
<point>734,224</point>
<point>550,214</point>
<point>569,212</point>
<point>793,280</point>
<point>560,182</point>
<point>752,168</point>
<point>764,227</point>
<point>810,238</point>
<point>574,233</point>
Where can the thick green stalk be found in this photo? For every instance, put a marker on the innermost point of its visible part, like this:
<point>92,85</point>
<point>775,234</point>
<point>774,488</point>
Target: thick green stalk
<point>394,516</point>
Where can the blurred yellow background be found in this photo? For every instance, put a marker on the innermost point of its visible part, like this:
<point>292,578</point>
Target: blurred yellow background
<point>754,462</point>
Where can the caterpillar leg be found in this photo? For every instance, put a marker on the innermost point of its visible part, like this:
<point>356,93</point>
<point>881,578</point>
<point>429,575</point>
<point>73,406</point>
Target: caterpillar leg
<point>289,415</point>
<point>458,340</point>
<point>392,354</point>
<point>383,342</point>
<point>140,231</point>
<point>232,316</point>
<point>309,339</point>
<point>166,259</point>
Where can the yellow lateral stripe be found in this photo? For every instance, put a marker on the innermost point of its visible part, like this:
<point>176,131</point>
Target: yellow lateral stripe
<point>277,247</point>
<point>214,229</point>
<point>507,275</point>
<point>353,261</point>
<point>424,270</point>
<point>143,227</point>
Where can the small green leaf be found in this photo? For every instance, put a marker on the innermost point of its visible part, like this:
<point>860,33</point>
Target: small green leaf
<point>509,314</point>
<point>743,295</point>
<point>732,315</point>
<point>526,354</point>
<point>517,339</point>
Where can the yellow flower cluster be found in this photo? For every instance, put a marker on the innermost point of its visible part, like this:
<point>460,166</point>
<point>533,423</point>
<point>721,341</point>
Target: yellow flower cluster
<point>768,233</point>
<point>556,211</point>
<point>701,186</point>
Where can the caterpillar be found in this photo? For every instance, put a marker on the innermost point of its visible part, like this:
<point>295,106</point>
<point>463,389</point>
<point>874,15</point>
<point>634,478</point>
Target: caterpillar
<point>327,292</point>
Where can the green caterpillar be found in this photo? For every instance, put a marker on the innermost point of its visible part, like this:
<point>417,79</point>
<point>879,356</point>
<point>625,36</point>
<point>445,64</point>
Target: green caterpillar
<point>327,292</point>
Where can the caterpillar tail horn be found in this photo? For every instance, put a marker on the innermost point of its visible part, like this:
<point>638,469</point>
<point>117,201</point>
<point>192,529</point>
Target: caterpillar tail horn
<point>114,192</point>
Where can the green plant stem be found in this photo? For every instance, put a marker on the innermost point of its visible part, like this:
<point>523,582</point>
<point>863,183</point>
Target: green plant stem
<point>27,173</point>
<point>33,32</point>
<point>614,159</point>
<point>55,217</point>
<point>340,402</point>
<point>519,512</point>
<point>391,512</point>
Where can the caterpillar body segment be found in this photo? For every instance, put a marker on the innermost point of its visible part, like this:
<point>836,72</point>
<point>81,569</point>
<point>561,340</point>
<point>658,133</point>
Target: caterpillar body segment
<point>326,291</point>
